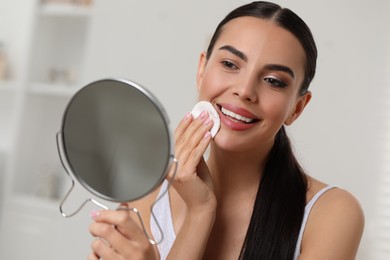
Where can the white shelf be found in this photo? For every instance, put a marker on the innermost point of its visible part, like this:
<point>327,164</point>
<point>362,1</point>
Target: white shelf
<point>35,202</point>
<point>7,85</point>
<point>64,9</point>
<point>53,89</point>
<point>50,37</point>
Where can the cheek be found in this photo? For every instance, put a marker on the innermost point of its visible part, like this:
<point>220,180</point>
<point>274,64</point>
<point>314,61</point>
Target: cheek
<point>276,107</point>
<point>211,85</point>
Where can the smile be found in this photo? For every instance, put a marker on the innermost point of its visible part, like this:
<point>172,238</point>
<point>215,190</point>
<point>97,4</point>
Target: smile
<point>235,116</point>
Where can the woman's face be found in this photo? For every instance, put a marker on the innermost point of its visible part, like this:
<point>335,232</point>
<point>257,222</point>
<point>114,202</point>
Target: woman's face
<point>252,78</point>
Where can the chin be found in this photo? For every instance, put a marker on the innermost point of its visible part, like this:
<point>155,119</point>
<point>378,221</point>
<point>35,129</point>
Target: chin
<point>228,144</point>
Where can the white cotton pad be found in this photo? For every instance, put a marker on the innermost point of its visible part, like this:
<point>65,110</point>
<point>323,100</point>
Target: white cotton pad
<point>213,114</point>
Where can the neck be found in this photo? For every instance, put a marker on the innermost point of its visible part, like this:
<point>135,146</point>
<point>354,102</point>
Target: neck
<point>236,173</point>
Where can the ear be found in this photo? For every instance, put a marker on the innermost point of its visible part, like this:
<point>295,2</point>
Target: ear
<point>299,107</point>
<point>201,68</point>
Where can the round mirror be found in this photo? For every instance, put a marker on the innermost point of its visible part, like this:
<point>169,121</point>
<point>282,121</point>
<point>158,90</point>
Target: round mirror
<point>116,140</point>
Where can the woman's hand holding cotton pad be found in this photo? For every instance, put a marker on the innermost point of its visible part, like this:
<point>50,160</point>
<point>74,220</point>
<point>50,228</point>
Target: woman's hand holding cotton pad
<point>213,114</point>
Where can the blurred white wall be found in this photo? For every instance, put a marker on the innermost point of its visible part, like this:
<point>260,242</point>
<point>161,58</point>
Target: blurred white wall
<point>339,138</point>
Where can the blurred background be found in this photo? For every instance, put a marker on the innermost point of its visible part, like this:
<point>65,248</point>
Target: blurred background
<point>49,49</point>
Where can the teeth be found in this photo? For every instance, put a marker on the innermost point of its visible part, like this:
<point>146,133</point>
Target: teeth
<point>235,116</point>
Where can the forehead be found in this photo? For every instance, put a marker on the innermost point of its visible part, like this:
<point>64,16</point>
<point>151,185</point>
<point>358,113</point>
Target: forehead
<point>263,40</point>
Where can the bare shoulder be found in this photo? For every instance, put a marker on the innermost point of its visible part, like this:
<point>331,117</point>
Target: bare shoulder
<point>337,204</point>
<point>334,228</point>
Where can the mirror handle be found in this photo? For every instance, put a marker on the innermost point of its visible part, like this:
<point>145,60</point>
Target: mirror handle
<point>68,170</point>
<point>135,210</point>
<point>65,215</point>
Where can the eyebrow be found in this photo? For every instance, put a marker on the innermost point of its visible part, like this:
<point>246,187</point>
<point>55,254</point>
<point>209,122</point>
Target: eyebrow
<point>234,51</point>
<point>272,67</point>
<point>277,67</point>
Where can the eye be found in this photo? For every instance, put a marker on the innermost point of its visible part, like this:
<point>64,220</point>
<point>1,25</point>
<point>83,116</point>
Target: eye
<point>229,65</point>
<point>275,82</point>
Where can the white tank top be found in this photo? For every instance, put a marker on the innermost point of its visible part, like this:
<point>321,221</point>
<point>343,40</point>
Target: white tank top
<point>162,211</point>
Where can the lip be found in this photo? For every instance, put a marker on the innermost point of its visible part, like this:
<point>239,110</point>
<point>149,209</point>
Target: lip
<point>236,125</point>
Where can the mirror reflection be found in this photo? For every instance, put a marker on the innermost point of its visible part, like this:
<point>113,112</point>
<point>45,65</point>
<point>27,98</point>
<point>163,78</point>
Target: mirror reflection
<point>116,139</point>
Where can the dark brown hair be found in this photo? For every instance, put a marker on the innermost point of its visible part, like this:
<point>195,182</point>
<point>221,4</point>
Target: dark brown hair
<point>286,19</point>
<point>281,197</point>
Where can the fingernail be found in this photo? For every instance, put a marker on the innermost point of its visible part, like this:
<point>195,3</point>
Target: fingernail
<point>95,214</point>
<point>207,135</point>
<point>203,115</point>
<point>187,116</point>
<point>207,121</point>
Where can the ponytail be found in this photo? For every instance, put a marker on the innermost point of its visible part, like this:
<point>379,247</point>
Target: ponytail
<point>279,206</point>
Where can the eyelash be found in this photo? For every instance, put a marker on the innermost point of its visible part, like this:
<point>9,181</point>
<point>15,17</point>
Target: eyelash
<point>229,65</point>
<point>275,82</point>
<point>270,80</point>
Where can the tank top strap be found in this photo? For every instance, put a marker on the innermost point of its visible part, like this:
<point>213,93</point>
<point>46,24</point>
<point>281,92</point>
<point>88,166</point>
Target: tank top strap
<point>308,208</point>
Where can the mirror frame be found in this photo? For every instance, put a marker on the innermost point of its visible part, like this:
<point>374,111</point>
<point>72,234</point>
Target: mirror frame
<point>64,154</point>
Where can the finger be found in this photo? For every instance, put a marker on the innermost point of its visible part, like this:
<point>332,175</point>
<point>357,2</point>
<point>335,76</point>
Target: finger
<point>184,123</point>
<point>103,250</point>
<point>110,240</point>
<point>187,138</point>
<point>121,221</point>
<point>183,135</point>
<point>93,256</point>
<point>106,231</point>
<point>197,146</point>
<point>193,135</point>
<point>108,234</point>
<point>197,153</point>
<point>188,169</point>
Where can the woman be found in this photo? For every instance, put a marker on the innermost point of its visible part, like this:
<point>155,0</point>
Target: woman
<point>251,200</point>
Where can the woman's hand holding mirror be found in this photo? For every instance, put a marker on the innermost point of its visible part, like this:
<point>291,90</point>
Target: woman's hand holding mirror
<point>118,236</point>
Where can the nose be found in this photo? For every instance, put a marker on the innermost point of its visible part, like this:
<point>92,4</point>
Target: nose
<point>247,90</point>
